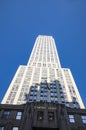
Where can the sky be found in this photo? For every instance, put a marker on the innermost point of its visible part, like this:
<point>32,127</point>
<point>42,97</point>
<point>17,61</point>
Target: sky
<point>21,21</point>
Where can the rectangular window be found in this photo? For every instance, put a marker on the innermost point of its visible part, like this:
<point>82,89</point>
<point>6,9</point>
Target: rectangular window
<point>30,97</point>
<point>45,98</point>
<point>71,118</point>
<point>34,98</point>
<point>50,116</point>
<point>31,93</point>
<point>15,128</point>
<point>52,98</point>
<point>5,115</point>
<point>83,119</point>
<point>67,104</point>
<point>56,99</point>
<point>19,115</point>
<point>62,99</point>
<point>40,115</point>
<point>1,128</point>
<point>52,94</point>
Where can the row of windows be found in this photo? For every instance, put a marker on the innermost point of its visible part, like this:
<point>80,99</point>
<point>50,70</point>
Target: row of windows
<point>43,98</point>
<point>53,99</point>
<point>44,92</point>
<point>14,128</point>
<point>43,59</point>
<point>40,115</point>
<point>44,89</point>
<point>72,119</point>
<point>6,114</point>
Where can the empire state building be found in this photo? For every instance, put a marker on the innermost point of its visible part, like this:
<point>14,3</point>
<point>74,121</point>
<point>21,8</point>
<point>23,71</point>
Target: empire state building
<point>43,79</point>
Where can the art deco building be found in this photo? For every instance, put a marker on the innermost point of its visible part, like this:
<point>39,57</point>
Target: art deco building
<point>41,116</point>
<point>43,79</point>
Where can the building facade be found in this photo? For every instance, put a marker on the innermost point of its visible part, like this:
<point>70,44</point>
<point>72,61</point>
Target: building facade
<point>43,79</point>
<point>41,116</point>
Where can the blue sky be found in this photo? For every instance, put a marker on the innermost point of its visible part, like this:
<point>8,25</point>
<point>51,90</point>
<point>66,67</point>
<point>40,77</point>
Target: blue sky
<point>21,21</point>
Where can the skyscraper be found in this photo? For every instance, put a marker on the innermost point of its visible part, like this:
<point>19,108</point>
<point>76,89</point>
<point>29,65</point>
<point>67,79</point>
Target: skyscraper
<point>43,79</point>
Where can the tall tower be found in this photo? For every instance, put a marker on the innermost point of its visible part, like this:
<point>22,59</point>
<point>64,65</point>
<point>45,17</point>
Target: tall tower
<point>43,79</point>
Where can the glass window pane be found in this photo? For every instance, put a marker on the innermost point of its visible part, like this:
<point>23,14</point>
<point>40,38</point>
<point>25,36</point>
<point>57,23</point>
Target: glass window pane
<point>40,115</point>
<point>15,128</point>
<point>1,128</point>
<point>50,115</point>
<point>19,114</point>
<point>83,119</point>
<point>52,99</point>
<point>56,99</point>
<point>5,114</point>
<point>71,118</point>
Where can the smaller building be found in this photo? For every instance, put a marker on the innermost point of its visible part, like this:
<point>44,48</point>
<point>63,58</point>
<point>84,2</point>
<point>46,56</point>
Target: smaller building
<point>40,116</point>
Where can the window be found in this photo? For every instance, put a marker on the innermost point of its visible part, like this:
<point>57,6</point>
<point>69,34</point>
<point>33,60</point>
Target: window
<point>1,128</point>
<point>83,119</point>
<point>15,128</point>
<point>45,94</point>
<point>52,94</point>
<point>5,115</point>
<point>40,115</point>
<point>34,98</point>
<point>35,93</point>
<point>50,116</point>
<point>62,99</point>
<point>56,99</point>
<point>19,114</point>
<point>52,98</point>
<point>71,118</point>
<point>61,94</point>
<point>55,94</point>
<point>67,104</point>
<point>45,98</point>
<point>31,92</point>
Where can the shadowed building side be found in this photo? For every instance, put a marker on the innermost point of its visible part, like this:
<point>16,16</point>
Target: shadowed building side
<point>39,115</point>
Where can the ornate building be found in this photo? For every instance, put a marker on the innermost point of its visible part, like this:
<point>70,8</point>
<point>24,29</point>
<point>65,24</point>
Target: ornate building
<point>39,115</point>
